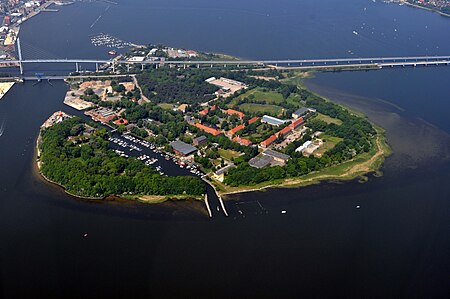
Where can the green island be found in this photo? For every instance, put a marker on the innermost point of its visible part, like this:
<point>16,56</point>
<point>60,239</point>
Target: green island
<point>76,155</point>
<point>239,129</point>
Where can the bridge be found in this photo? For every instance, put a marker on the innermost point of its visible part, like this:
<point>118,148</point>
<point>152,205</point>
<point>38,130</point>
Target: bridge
<point>323,63</point>
<point>378,62</point>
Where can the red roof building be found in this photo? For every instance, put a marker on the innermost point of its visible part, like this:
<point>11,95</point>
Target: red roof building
<point>231,112</point>
<point>269,141</point>
<point>242,141</point>
<point>287,130</point>
<point>204,111</point>
<point>252,120</point>
<point>213,107</point>
<point>297,123</point>
<point>207,129</point>
<point>235,130</point>
<point>121,121</point>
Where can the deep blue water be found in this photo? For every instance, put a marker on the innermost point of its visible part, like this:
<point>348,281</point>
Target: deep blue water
<point>396,245</point>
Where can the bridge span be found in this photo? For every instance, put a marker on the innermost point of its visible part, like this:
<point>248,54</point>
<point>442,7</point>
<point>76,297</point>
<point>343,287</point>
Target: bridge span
<point>331,63</point>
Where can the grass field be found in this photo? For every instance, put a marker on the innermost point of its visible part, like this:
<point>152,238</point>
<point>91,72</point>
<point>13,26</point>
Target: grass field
<point>329,143</point>
<point>228,154</point>
<point>263,108</point>
<point>328,119</point>
<point>260,96</point>
<point>166,106</point>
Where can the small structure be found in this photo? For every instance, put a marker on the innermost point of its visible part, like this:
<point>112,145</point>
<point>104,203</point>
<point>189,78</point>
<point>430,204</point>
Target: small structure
<point>300,112</point>
<point>220,174</point>
<point>303,147</point>
<point>199,141</point>
<point>183,107</point>
<point>272,120</point>
<point>238,113</point>
<point>121,121</point>
<point>252,120</point>
<point>182,149</point>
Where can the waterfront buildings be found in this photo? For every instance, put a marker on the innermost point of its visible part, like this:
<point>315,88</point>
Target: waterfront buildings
<point>182,149</point>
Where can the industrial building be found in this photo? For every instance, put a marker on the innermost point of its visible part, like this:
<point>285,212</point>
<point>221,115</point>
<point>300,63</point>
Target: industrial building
<point>300,112</point>
<point>199,141</point>
<point>272,120</point>
<point>182,149</point>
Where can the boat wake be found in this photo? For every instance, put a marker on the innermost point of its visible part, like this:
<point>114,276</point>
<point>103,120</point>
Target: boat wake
<point>2,127</point>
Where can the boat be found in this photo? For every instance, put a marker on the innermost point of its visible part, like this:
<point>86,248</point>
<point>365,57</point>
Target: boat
<point>112,52</point>
<point>355,33</point>
<point>283,212</point>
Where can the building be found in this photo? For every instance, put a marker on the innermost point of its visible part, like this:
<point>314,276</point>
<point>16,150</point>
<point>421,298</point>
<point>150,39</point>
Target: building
<point>284,132</point>
<point>300,112</point>
<point>199,141</point>
<point>183,107</point>
<point>242,141</point>
<point>182,149</point>
<point>207,129</point>
<point>297,123</point>
<point>233,131</point>
<point>238,113</point>
<point>276,156</point>
<point>220,174</point>
<point>260,161</point>
<point>303,147</point>
<point>252,120</point>
<point>103,115</point>
<point>204,111</point>
<point>266,143</point>
<point>272,120</point>
<point>121,121</point>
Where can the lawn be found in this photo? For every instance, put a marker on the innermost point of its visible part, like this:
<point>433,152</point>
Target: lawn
<point>329,143</point>
<point>260,96</point>
<point>328,119</point>
<point>166,106</point>
<point>228,154</point>
<point>263,108</point>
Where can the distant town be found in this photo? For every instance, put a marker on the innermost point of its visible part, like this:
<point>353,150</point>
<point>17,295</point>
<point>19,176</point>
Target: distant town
<point>441,6</point>
<point>14,13</point>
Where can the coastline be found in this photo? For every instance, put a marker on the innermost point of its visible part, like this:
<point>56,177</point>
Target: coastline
<point>146,199</point>
<point>353,170</point>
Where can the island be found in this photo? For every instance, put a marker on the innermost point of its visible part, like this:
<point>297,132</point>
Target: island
<point>236,129</point>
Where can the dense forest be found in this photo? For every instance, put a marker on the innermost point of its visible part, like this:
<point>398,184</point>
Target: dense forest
<point>91,169</point>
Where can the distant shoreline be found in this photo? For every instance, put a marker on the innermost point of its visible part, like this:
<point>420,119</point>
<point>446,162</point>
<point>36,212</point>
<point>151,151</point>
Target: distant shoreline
<point>427,8</point>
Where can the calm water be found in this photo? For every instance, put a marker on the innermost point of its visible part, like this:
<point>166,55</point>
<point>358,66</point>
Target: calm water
<point>396,245</point>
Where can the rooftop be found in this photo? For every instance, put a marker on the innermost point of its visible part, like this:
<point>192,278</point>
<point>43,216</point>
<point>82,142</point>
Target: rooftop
<point>182,147</point>
<point>272,120</point>
<point>275,154</point>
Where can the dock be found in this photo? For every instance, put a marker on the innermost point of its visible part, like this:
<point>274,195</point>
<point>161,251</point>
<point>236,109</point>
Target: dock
<point>207,206</point>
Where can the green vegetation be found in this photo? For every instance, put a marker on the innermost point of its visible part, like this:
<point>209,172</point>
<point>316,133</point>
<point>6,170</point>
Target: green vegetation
<point>228,154</point>
<point>91,169</point>
<point>261,109</point>
<point>353,136</point>
<point>327,119</point>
